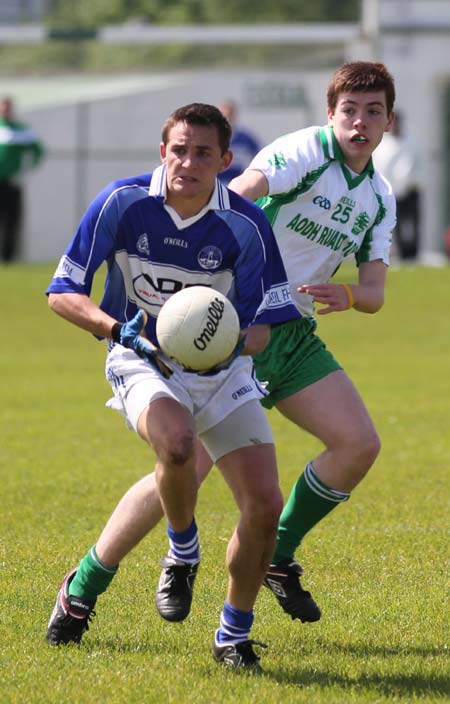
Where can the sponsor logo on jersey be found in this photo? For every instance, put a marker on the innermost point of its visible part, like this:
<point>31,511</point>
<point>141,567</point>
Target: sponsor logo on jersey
<point>152,283</point>
<point>69,269</point>
<point>322,202</point>
<point>210,257</point>
<point>241,392</point>
<point>175,242</point>
<point>276,297</point>
<point>142,245</point>
<point>155,289</point>
<point>322,234</point>
<point>348,201</point>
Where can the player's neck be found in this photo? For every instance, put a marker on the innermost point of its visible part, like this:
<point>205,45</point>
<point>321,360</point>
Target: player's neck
<point>185,207</point>
<point>356,165</point>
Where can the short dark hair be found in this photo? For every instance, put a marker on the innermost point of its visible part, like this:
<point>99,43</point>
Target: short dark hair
<point>361,77</point>
<point>200,114</point>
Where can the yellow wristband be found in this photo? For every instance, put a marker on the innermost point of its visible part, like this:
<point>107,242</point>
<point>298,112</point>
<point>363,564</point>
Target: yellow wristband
<point>349,293</point>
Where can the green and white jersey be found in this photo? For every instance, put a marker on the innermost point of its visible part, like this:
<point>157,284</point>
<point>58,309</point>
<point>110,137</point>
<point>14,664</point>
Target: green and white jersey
<point>320,210</point>
<point>20,149</point>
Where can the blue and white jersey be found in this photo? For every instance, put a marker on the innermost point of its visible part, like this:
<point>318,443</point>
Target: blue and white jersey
<point>151,253</point>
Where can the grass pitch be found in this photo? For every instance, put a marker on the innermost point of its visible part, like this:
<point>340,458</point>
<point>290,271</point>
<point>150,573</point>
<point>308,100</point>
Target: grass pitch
<point>378,565</point>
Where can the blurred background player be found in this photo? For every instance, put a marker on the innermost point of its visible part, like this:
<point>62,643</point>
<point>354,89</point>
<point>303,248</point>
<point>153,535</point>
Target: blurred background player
<point>149,228</point>
<point>396,159</point>
<point>20,150</point>
<point>244,144</point>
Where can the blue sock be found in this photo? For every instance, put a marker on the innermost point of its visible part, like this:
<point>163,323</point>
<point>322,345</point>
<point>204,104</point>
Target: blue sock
<point>185,545</point>
<point>235,625</point>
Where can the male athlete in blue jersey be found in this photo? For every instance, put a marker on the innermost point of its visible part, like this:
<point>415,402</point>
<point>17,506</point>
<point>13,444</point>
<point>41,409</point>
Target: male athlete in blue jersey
<point>159,233</point>
<point>326,203</point>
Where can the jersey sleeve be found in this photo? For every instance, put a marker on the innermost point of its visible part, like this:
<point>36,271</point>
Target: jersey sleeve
<point>90,247</point>
<point>261,291</point>
<point>286,161</point>
<point>96,237</point>
<point>378,239</point>
<point>278,305</point>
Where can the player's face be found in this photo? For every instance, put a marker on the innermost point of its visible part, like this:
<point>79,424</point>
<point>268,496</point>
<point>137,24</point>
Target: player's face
<point>359,122</point>
<point>193,159</point>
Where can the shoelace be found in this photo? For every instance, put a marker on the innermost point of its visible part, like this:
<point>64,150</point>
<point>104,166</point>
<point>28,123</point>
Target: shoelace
<point>73,625</point>
<point>246,649</point>
<point>175,578</point>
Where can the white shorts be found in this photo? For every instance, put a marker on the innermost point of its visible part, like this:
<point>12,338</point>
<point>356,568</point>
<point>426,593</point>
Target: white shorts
<point>210,399</point>
<point>247,425</point>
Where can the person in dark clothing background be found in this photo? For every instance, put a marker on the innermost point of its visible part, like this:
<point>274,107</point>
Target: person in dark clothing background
<point>20,149</point>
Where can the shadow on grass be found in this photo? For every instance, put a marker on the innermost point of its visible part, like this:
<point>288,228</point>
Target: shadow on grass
<point>388,685</point>
<point>365,650</point>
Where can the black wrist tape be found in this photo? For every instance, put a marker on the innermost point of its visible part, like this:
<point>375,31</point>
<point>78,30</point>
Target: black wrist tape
<point>115,332</point>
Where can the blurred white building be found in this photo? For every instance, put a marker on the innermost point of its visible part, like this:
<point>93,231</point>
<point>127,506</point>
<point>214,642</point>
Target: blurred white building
<point>23,10</point>
<point>98,128</point>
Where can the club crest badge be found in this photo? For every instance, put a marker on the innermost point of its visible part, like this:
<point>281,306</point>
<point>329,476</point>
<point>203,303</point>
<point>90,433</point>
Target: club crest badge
<point>210,257</point>
<point>142,244</point>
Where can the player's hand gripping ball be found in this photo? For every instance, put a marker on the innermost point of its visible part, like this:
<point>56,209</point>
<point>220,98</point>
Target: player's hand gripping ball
<point>198,327</point>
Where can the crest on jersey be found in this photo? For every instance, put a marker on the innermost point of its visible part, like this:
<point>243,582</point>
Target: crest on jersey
<point>210,257</point>
<point>361,223</point>
<point>142,244</point>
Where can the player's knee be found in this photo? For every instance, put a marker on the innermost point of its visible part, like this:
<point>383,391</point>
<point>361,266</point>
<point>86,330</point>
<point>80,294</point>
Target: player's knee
<point>370,450</point>
<point>363,453</point>
<point>180,450</point>
<point>263,512</point>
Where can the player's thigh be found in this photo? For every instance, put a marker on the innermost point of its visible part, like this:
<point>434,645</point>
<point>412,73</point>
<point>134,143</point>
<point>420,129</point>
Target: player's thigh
<point>203,463</point>
<point>243,450</point>
<point>251,473</point>
<point>244,426</point>
<point>331,409</point>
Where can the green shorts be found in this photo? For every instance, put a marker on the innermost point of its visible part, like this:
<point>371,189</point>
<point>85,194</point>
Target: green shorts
<point>294,359</point>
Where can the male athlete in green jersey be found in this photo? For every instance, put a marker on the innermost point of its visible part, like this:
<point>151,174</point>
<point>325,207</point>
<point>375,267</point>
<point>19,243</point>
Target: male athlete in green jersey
<point>325,201</point>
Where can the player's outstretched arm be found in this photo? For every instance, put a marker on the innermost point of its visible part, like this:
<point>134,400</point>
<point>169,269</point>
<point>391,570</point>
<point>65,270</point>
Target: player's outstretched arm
<point>80,310</point>
<point>252,184</point>
<point>367,296</point>
<point>83,312</point>
<point>370,289</point>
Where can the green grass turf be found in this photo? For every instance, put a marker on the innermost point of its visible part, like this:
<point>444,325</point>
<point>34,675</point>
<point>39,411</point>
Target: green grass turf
<point>378,566</point>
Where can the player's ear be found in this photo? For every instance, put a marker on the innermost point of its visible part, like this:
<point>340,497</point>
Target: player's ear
<point>390,122</point>
<point>162,151</point>
<point>330,115</point>
<point>227,158</point>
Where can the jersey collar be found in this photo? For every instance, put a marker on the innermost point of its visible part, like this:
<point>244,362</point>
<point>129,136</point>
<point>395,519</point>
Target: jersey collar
<point>220,199</point>
<point>333,151</point>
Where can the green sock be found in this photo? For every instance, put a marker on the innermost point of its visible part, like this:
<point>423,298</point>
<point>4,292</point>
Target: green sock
<point>92,577</point>
<point>310,501</point>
